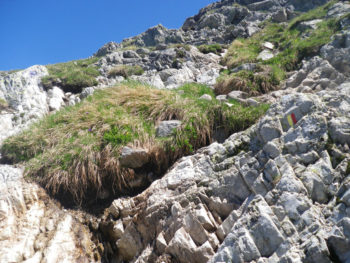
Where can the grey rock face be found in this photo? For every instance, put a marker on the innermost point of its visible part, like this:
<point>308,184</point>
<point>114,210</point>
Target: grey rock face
<point>107,48</point>
<point>161,71</point>
<point>280,16</point>
<point>166,128</point>
<point>337,51</point>
<point>27,100</point>
<point>340,130</point>
<point>268,201</point>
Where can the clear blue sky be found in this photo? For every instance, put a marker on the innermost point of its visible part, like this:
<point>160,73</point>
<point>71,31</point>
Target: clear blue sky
<point>51,31</point>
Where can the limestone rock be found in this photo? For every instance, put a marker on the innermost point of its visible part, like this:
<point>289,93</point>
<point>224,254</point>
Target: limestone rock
<point>133,158</point>
<point>280,16</point>
<point>166,128</point>
<point>55,96</point>
<point>206,97</point>
<point>129,245</point>
<point>182,246</point>
<point>265,55</point>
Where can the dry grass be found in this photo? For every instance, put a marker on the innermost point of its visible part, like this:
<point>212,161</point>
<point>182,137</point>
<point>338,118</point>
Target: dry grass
<point>241,51</point>
<point>125,71</point>
<point>3,104</point>
<point>253,83</point>
<point>74,153</point>
<point>72,76</point>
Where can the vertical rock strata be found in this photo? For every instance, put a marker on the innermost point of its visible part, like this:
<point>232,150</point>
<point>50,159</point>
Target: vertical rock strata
<point>270,193</point>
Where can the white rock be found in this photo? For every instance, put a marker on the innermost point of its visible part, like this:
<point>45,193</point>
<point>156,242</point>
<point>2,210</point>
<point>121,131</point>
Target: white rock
<point>206,97</point>
<point>265,55</point>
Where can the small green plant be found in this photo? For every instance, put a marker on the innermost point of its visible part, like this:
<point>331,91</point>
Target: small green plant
<point>125,71</point>
<point>195,90</point>
<point>3,103</point>
<point>72,76</point>
<point>180,53</point>
<point>119,135</point>
<point>215,48</point>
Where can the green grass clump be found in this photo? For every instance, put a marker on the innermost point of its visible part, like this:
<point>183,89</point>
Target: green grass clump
<point>215,48</point>
<point>292,47</point>
<point>184,46</point>
<point>194,91</point>
<point>74,153</point>
<point>317,13</point>
<point>292,44</point>
<point>263,81</point>
<point>72,76</point>
<point>125,71</point>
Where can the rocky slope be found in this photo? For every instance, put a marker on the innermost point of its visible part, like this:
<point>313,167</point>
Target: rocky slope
<point>277,192</point>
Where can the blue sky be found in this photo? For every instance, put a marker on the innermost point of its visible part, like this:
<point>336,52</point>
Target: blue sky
<point>52,31</point>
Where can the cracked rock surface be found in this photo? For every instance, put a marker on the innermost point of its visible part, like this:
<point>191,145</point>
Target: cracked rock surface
<point>269,194</point>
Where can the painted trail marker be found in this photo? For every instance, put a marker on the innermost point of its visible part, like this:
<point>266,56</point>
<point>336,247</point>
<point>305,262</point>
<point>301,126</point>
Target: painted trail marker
<point>292,120</point>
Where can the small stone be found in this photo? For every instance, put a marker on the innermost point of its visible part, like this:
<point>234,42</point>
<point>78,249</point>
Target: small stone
<point>222,98</point>
<point>133,158</point>
<point>206,97</point>
<point>280,16</point>
<point>268,45</point>
<point>161,243</point>
<point>118,229</point>
<point>272,150</point>
<point>265,55</point>
<point>251,102</point>
<point>182,246</point>
<point>167,128</point>
<point>129,245</point>
<point>237,94</point>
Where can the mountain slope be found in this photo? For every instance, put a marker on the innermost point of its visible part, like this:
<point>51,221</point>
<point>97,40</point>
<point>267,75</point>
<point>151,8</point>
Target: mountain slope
<point>278,191</point>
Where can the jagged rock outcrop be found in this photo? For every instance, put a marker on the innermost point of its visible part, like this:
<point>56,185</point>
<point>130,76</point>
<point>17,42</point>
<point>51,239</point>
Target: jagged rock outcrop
<point>169,68</point>
<point>26,100</point>
<point>220,22</point>
<point>33,228</point>
<point>269,193</point>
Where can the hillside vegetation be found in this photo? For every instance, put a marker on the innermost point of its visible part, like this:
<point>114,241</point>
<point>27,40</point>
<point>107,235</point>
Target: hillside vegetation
<point>72,76</point>
<point>292,44</point>
<point>74,153</point>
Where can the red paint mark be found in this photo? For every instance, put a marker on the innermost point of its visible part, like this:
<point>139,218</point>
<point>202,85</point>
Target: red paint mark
<point>293,118</point>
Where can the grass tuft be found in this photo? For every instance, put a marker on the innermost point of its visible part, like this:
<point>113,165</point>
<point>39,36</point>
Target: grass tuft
<point>72,76</point>
<point>253,83</point>
<point>215,48</point>
<point>75,152</point>
<point>3,104</point>
<point>125,71</point>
